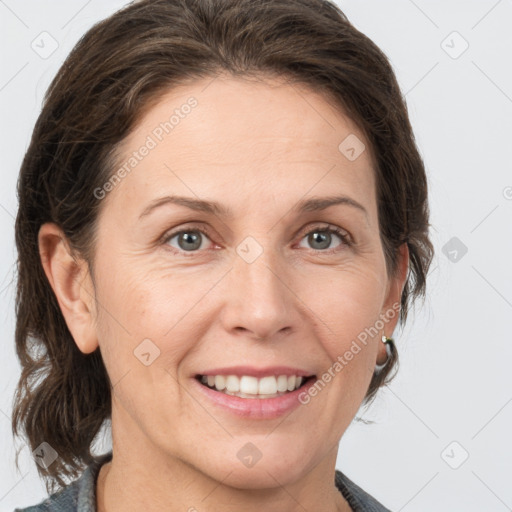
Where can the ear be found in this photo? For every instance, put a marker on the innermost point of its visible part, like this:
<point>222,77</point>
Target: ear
<point>72,285</point>
<point>391,307</point>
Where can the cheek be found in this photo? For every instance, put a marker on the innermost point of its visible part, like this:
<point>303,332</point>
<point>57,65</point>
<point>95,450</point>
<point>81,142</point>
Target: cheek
<point>347,310</point>
<point>143,313</point>
<point>173,308</point>
<point>349,314</point>
<point>346,302</point>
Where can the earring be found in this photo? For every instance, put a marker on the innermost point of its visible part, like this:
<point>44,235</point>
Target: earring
<point>389,342</point>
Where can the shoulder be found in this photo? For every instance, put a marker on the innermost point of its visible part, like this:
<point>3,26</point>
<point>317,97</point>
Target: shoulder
<point>78,496</point>
<point>357,498</point>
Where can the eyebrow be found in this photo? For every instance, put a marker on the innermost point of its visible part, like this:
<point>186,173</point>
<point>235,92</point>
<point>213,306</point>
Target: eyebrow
<point>214,208</point>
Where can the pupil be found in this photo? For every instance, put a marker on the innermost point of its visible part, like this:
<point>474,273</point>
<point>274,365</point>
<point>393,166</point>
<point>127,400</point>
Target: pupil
<point>188,238</point>
<point>325,237</point>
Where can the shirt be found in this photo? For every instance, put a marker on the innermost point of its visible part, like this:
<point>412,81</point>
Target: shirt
<point>80,495</point>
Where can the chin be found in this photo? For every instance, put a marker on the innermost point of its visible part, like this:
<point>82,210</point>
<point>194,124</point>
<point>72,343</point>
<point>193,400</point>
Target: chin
<point>261,477</point>
<point>268,472</point>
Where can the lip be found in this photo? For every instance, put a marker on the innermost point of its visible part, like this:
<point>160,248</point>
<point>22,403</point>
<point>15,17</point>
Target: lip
<point>253,408</point>
<point>240,371</point>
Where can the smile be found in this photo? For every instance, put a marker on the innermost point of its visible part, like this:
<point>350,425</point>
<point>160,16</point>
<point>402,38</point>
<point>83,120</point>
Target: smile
<point>248,386</point>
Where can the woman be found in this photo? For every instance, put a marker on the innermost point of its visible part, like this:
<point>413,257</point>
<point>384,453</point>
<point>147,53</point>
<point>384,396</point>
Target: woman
<point>230,369</point>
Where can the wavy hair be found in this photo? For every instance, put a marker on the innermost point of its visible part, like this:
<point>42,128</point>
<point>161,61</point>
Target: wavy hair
<point>117,70</point>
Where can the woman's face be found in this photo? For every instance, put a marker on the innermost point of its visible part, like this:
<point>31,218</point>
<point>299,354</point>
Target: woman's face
<point>248,288</point>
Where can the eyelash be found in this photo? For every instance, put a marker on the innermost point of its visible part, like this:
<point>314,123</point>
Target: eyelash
<point>345,238</point>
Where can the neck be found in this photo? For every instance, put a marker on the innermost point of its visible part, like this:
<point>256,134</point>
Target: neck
<point>115,492</point>
<point>143,476</point>
<point>124,487</point>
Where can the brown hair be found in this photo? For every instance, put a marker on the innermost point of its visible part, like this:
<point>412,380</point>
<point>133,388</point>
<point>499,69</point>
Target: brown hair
<point>119,68</point>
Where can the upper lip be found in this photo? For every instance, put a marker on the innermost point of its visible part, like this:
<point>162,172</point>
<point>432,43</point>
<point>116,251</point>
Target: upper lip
<point>257,372</point>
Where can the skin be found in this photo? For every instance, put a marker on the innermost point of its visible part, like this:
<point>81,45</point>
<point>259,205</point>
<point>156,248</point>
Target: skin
<point>257,148</point>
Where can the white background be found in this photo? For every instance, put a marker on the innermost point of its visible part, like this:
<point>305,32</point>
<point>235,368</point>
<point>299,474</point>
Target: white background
<point>454,382</point>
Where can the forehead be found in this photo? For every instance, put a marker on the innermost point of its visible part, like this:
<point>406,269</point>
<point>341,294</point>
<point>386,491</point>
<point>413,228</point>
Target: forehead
<point>239,140</point>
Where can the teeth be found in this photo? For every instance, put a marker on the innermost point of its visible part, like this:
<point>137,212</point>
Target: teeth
<point>282,383</point>
<point>267,386</point>
<point>250,387</point>
<point>232,383</point>
<point>220,382</point>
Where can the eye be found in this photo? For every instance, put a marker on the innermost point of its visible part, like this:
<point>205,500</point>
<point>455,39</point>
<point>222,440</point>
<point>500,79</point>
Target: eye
<point>322,237</point>
<point>190,240</point>
<point>187,240</point>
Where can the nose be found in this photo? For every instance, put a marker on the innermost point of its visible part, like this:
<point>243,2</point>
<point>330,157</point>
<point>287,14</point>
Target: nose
<point>260,303</point>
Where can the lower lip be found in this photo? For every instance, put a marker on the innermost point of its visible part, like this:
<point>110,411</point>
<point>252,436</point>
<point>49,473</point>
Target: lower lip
<point>255,408</point>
